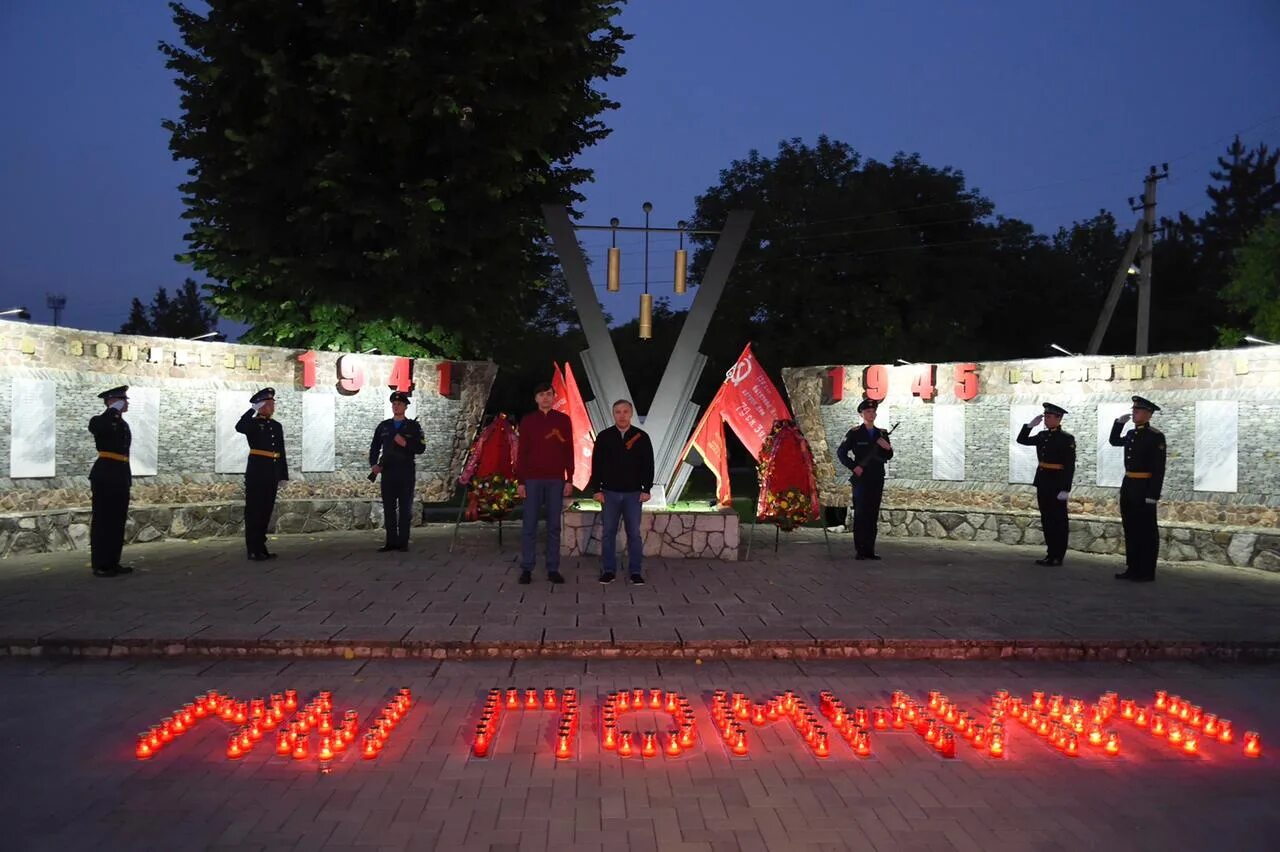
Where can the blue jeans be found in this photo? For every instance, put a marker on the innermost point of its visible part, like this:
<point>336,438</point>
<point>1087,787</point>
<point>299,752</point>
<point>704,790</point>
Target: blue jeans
<point>624,504</point>
<point>541,494</point>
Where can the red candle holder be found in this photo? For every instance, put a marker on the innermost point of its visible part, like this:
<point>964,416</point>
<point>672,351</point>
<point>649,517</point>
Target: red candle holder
<point>996,747</point>
<point>1224,731</point>
<point>624,744</point>
<point>234,750</point>
<point>1197,716</point>
<point>1037,700</point>
<point>773,711</point>
<point>935,698</point>
<point>610,737</point>
<point>1113,743</point>
<point>370,747</point>
<point>637,698</point>
<point>673,744</point>
<point>1072,748</point>
<point>979,736</point>
<point>144,750</point>
<point>1158,726</point>
<point>562,747</point>
<point>1191,743</point>
<point>548,699</point>
<point>687,736</point>
<point>176,725</point>
<point>672,702</point>
<point>862,744</point>
<point>1210,726</point>
<point>650,746</point>
<point>284,744</point>
<point>880,719</point>
<point>241,715</point>
<point>899,719</point>
<point>1142,718</point>
<point>1095,736</point>
<point>513,699</point>
<point>820,746</point>
<point>200,707</point>
<point>227,711</point>
<point>255,731</point>
<point>1162,699</point>
<point>153,738</point>
<point>758,717</point>
<point>246,739</point>
<point>948,746</point>
<point>325,700</point>
<point>326,749</point>
<point>1175,735</point>
<point>1252,744</point>
<point>256,708</point>
<point>480,744</point>
<point>739,746</point>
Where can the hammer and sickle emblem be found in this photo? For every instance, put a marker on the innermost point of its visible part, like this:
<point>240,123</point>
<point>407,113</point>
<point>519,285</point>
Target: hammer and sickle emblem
<point>739,371</point>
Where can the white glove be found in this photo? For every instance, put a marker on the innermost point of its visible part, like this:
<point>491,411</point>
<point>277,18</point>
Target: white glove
<point>257,406</point>
<point>1036,421</point>
<point>1123,418</point>
<point>118,405</point>
<point>1062,495</point>
<point>1151,501</point>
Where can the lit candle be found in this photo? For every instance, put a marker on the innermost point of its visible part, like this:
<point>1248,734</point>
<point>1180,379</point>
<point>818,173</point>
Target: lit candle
<point>610,737</point>
<point>255,730</point>
<point>1073,746</point>
<point>1141,718</point>
<point>290,700</point>
<point>240,716</point>
<point>979,736</point>
<point>948,747</point>
<point>176,725</point>
<point>1158,728</point>
<point>256,708</point>
<point>246,739</point>
<point>531,699</point>
<point>1095,736</point>
<point>931,733</point>
<point>234,751</point>
<point>758,718</point>
<point>862,744</point>
<point>1127,709</point>
<point>637,698</point>
<point>326,700</point>
<point>860,717</point>
<point>672,702</point>
<point>1197,716</point>
<point>153,738</point>
<point>144,750</point>
<point>1113,743</point>
<point>996,749</point>
<point>1210,725</point>
<point>480,744</point>
<point>326,749</point>
<point>1224,731</point>
<point>624,744</point>
<point>1252,744</point>
<point>899,719</point>
<point>740,742</point>
<point>562,748</point>
<point>820,747</point>
<point>1037,700</point>
<point>673,744</point>
<point>1175,735</point>
<point>880,719</point>
<point>935,698</point>
<point>1190,743</point>
<point>1162,699</point>
<point>283,744</point>
<point>548,699</point>
<point>655,699</point>
<point>201,708</point>
<point>369,750</point>
<point>624,701</point>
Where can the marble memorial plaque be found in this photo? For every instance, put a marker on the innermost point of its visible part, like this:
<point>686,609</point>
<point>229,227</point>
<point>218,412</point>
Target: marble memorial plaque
<point>143,418</point>
<point>1111,459</point>
<point>231,449</point>
<point>948,442</point>
<point>1217,445</point>
<point>32,422</point>
<point>317,431</point>
<point>1022,459</point>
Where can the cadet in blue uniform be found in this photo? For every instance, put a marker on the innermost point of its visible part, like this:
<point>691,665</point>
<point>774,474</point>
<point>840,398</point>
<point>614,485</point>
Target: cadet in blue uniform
<point>864,451</point>
<point>395,443</point>
<point>1144,459</point>
<point>110,481</point>
<point>1056,452</point>
<point>266,468</point>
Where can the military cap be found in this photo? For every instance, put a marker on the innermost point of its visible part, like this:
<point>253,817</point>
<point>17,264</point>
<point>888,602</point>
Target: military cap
<point>867,403</point>
<point>1050,408</point>
<point>400,396</point>
<point>121,392</point>
<point>262,396</point>
<point>1141,402</point>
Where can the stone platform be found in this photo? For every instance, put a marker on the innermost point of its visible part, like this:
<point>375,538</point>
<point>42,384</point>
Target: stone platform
<point>667,534</point>
<point>329,595</point>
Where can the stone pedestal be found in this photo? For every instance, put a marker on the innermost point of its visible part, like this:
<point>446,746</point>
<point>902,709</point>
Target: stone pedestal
<point>671,535</point>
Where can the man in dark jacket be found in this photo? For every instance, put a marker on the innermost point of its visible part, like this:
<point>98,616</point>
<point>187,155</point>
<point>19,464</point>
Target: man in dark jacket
<point>110,481</point>
<point>544,471</point>
<point>266,468</point>
<point>395,443</point>
<point>1144,461</point>
<point>1055,470</point>
<point>864,451</point>
<point>621,478</point>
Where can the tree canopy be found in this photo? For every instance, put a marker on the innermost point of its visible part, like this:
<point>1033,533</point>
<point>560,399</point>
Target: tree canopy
<point>370,174</point>
<point>185,315</point>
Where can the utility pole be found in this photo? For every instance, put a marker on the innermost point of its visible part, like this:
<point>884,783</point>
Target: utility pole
<point>55,302</point>
<point>1148,208</point>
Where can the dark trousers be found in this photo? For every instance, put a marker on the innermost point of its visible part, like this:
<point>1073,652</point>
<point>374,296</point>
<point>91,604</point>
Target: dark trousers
<point>1141,532</point>
<point>110,511</point>
<point>1053,520</point>
<point>867,494</point>
<point>259,502</point>
<point>546,495</point>
<point>397,505</point>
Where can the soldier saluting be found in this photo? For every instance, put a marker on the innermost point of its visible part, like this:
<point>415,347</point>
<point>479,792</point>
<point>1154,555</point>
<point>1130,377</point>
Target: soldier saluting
<point>395,444</point>
<point>864,451</point>
<point>1144,460</point>
<point>1056,453</point>
<point>110,481</point>
<point>266,468</point>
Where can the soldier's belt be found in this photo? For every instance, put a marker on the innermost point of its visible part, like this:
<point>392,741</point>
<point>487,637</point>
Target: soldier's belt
<point>103,454</point>
<point>1138,474</point>
<point>266,454</point>
<point>1052,466</point>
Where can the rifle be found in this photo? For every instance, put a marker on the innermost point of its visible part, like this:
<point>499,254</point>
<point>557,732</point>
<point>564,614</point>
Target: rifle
<point>862,462</point>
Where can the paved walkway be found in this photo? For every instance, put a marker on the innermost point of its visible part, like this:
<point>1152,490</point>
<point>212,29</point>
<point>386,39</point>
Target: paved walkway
<point>70,781</point>
<point>333,595</point>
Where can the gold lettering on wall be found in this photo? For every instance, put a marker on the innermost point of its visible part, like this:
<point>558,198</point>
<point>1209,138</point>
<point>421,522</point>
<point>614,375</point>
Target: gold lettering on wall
<point>75,347</point>
<point>1015,375</point>
<point>1036,377</point>
<point>229,361</point>
<point>1161,371</point>
<point>102,350</point>
<point>1190,369</point>
<point>1133,371</point>
<point>129,352</point>
<point>28,346</point>
<point>1242,366</point>
<point>253,362</point>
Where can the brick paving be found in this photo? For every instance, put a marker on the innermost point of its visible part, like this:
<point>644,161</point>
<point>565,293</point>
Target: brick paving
<point>333,595</point>
<point>70,781</point>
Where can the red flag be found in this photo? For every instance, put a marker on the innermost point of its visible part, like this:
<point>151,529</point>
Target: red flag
<point>751,402</point>
<point>569,401</point>
<point>708,440</point>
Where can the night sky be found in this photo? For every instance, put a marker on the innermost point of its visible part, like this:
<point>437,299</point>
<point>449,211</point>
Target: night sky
<point>1054,110</point>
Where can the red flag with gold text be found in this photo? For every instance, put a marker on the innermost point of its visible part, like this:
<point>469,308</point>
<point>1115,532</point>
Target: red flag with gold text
<point>751,404</point>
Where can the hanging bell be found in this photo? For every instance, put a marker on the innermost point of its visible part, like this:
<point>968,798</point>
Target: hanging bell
<point>614,281</point>
<point>646,316</point>
<point>682,262</point>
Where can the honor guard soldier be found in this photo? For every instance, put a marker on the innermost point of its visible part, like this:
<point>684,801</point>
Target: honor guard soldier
<point>266,468</point>
<point>864,451</point>
<point>395,444</point>
<point>110,481</point>
<point>1144,459</point>
<point>1056,453</point>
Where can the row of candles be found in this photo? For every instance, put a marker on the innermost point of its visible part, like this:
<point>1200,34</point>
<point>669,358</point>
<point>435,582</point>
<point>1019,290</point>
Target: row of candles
<point>732,712</point>
<point>494,706</point>
<point>1185,725</point>
<point>1062,722</point>
<point>941,719</point>
<point>675,742</point>
<point>259,717</point>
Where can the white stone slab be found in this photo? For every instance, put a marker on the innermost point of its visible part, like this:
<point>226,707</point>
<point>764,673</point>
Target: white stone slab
<point>1111,459</point>
<point>231,449</point>
<point>318,431</point>
<point>948,442</point>
<point>1217,464</point>
<point>32,425</point>
<point>1022,459</point>
<point>143,418</point>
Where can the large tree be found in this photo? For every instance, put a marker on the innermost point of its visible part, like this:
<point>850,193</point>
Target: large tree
<point>1254,290</point>
<point>370,174</point>
<point>185,315</point>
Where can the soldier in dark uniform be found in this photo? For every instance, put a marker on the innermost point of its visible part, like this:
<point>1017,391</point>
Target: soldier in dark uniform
<point>1056,452</point>
<point>864,451</point>
<point>1144,459</point>
<point>395,443</point>
<point>109,481</point>
<point>266,468</point>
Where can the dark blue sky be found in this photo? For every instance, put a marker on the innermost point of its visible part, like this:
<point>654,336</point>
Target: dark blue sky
<point>1053,109</point>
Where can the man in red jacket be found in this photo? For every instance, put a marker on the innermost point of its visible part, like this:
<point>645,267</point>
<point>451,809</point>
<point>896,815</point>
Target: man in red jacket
<point>544,471</point>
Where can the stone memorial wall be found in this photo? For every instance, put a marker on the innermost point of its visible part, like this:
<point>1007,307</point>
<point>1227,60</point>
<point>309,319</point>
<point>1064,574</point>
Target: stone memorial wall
<point>185,399</point>
<point>958,473</point>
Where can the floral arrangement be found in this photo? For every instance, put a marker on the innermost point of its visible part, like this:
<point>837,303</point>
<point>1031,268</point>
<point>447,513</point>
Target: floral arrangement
<point>790,509</point>
<point>494,496</point>
<point>788,489</point>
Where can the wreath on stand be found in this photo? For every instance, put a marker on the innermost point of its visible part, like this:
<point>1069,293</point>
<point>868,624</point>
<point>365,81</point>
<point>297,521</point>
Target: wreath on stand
<point>490,472</point>
<point>788,487</point>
